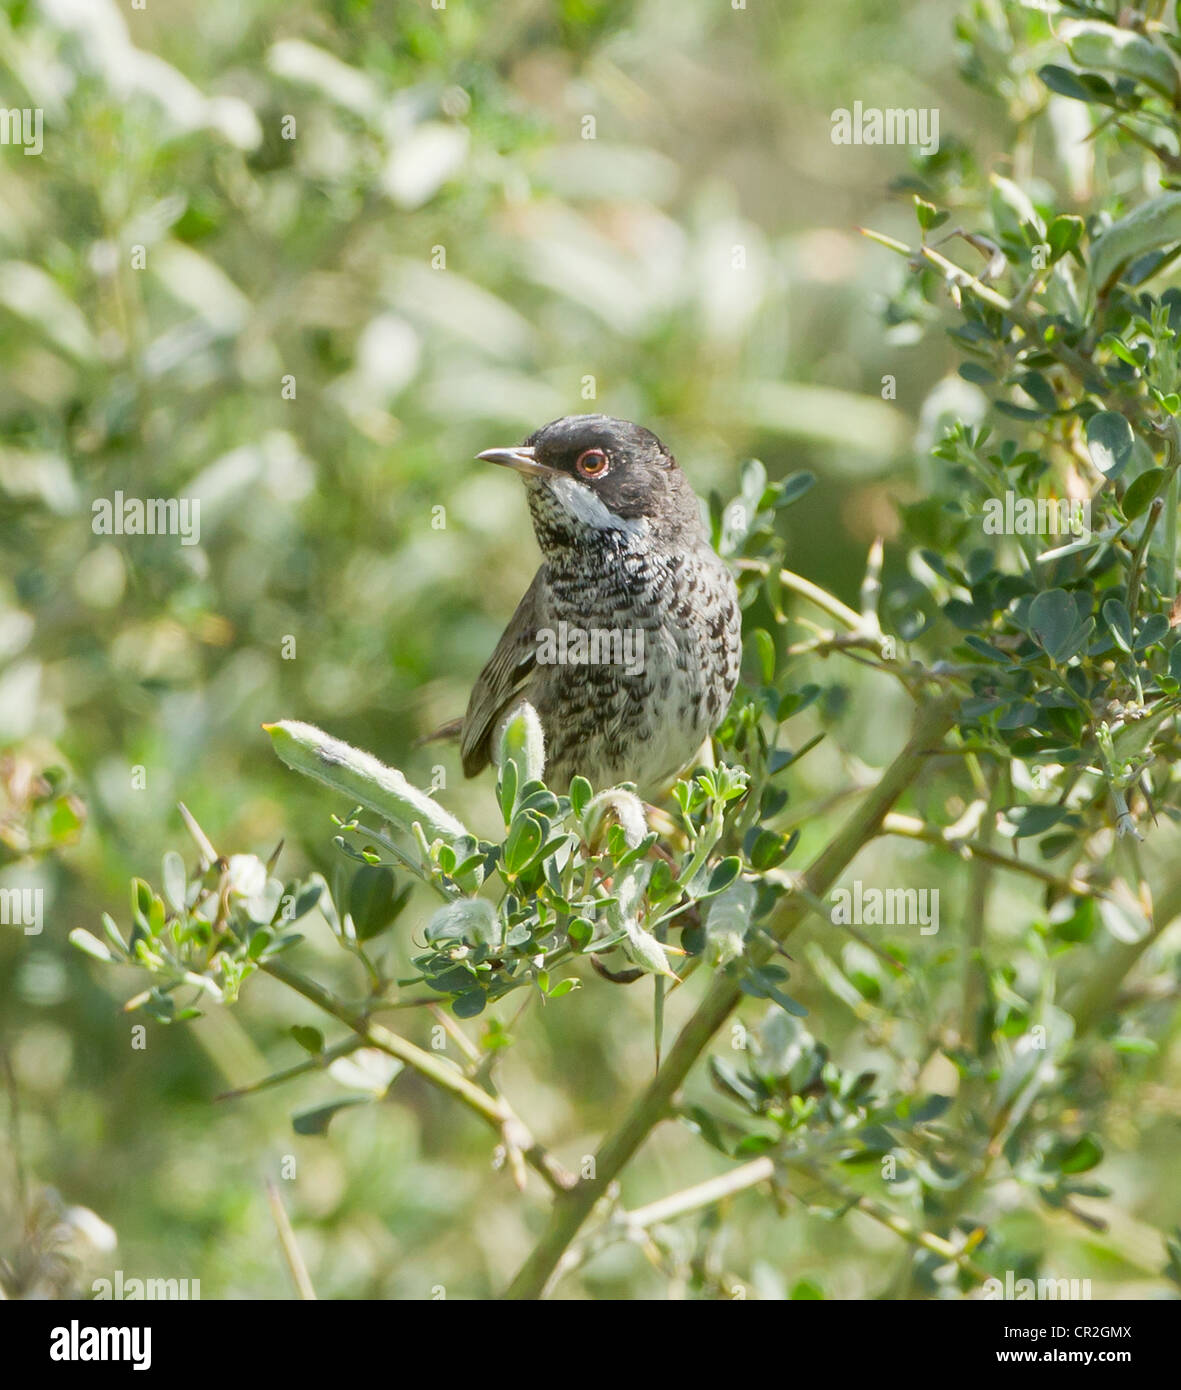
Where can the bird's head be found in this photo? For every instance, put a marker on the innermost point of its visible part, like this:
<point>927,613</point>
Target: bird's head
<point>591,475</point>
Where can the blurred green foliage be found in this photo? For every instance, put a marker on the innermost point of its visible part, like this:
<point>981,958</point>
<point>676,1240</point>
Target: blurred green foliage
<point>301,261</point>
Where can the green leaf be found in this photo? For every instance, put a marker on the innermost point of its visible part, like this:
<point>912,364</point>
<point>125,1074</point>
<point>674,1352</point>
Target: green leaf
<point>1066,82</point>
<point>65,820</point>
<point>1063,235</point>
<point>1116,616</point>
<point>761,983</point>
<point>1011,202</point>
<point>1081,1156</point>
<point>307,895</point>
<point>371,900</point>
<point>1141,492</point>
<point>259,941</point>
<point>580,932</point>
<point>535,796</point>
<point>1034,820</point>
<point>580,795</point>
<point>310,1039</point>
<point>699,1119</point>
<point>977,374</point>
<point>929,216</point>
<point>174,880</point>
<point>724,874</point>
<point>114,935</point>
<point>767,850</point>
<point>793,487</point>
<point>753,476</point>
<point>141,906</point>
<point>1109,442</point>
<point>1039,390</point>
<point>1135,358</point>
<point>1155,224</point>
<point>472,920</point>
<point>317,1121</point>
<point>470,1004</point>
<point>1054,623</point>
<point>987,650</point>
<point>524,840</point>
<point>929,1108</point>
<point>764,645</point>
<point>1018,715</point>
<point>507,788</point>
<point>1093,44</point>
<point>746,1089</point>
<point>91,945</point>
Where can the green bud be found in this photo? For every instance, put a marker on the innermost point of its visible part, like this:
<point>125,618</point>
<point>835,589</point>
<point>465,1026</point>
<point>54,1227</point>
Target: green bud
<point>728,922</point>
<point>614,807</point>
<point>363,779</point>
<point>521,738</point>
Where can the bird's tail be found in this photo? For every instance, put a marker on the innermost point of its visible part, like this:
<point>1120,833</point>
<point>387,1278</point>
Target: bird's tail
<point>451,730</point>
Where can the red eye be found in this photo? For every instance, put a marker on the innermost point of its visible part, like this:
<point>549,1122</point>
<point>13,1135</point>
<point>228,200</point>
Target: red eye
<point>592,463</point>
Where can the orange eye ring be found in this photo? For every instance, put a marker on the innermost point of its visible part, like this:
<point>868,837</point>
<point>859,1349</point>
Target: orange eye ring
<point>592,463</point>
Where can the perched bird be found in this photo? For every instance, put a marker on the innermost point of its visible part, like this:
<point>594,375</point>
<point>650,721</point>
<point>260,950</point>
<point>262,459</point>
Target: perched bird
<point>627,641</point>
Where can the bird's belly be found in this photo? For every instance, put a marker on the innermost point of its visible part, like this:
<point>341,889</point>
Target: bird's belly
<point>625,721</point>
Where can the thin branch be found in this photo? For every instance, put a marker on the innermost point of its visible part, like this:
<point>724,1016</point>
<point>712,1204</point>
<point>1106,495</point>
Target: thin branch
<point>914,1235</point>
<point>911,828</point>
<point>457,1035</point>
<point>826,602</point>
<point>17,1145</point>
<point>871,588</point>
<point>1026,321</point>
<point>205,848</point>
<point>633,1225</point>
<point>291,1251</point>
<point>704,1194</point>
<point>319,1062</point>
<point>1136,573</point>
<point>1094,997</point>
<point>976,908</point>
<point>494,1110</point>
<point>863,630</point>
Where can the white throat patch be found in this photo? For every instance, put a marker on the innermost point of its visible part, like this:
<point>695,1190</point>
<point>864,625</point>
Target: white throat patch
<point>582,504</point>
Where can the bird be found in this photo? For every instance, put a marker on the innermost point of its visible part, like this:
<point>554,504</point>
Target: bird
<point>628,641</point>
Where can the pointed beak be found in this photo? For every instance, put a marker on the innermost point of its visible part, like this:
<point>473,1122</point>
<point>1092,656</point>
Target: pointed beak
<point>520,458</point>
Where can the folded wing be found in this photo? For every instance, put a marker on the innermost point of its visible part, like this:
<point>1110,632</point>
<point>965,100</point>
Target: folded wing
<point>503,680</point>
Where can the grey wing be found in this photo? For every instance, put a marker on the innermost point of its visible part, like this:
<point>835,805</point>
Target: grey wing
<point>502,680</point>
